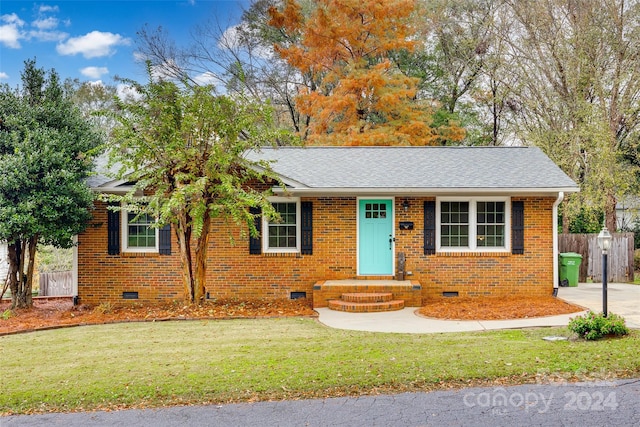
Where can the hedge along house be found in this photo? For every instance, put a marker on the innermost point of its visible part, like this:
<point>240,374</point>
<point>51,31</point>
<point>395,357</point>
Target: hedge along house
<point>419,222</point>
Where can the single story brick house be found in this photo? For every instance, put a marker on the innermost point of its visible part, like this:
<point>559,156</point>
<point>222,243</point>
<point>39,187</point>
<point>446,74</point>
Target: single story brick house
<point>453,221</point>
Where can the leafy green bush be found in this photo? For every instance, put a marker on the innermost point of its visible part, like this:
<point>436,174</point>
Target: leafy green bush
<point>636,259</point>
<point>593,326</point>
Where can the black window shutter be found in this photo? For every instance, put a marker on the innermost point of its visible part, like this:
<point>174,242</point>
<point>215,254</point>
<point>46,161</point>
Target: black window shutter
<point>517,227</point>
<point>429,227</point>
<point>164,244</point>
<point>255,243</point>
<point>113,230</point>
<point>307,228</point>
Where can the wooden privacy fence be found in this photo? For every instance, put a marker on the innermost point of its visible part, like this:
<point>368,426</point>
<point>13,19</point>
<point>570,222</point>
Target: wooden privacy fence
<point>620,265</point>
<point>59,283</point>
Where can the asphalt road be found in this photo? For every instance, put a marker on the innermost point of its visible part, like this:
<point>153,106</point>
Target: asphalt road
<point>604,403</point>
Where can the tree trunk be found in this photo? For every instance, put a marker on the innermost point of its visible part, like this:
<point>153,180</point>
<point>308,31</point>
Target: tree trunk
<point>200,282</point>
<point>611,220</point>
<point>14,271</point>
<point>22,253</point>
<point>183,233</point>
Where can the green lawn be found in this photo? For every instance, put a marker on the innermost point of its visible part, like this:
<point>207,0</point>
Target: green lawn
<point>151,364</point>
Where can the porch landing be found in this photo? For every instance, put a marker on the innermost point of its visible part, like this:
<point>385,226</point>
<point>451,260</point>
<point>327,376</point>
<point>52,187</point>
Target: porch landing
<point>409,291</point>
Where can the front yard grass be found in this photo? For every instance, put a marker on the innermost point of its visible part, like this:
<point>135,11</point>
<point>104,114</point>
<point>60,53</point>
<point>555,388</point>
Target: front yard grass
<point>184,362</point>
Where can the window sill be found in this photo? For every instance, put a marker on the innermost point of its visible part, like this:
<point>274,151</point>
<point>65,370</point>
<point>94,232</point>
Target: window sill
<point>468,254</point>
<point>282,254</point>
<point>140,254</point>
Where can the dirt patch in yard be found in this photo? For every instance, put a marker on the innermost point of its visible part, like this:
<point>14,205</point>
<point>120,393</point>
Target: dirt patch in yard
<point>497,308</point>
<point>57,313</point>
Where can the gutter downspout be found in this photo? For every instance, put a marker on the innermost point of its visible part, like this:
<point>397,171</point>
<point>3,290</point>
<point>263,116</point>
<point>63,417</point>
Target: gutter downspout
<point>556,274</point>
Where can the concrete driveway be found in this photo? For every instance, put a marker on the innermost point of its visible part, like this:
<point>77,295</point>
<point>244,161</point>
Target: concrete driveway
<point>622,299</point>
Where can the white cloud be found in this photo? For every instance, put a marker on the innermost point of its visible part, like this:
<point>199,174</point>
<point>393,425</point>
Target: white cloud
<point>48,36</point>
<point>125,92</point>
<point>46,23</point>
<point>231,39</point>
<point>139,57</point>
<point>46,8</point>
<point>12,19</point>
<point>93,45</point>
<point>207,78</point>
<point>10,33</point>
<point>3,75</point>
<point>94,72</point>
<point>167,71</point>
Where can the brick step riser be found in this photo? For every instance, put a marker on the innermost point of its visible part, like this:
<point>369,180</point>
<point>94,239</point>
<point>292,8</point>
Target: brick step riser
<point>354,307</point>
<point>367,297</point>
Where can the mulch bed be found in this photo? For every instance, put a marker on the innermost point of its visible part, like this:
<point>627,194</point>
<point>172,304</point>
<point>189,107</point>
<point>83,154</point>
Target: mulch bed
<point>54,313</point>
<point>497,308</point>
<point>58,313</point>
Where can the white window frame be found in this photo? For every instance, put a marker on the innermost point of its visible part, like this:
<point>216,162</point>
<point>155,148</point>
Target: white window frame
<point>473,225</point>
<point>124,217</point>
<point>265,227</point>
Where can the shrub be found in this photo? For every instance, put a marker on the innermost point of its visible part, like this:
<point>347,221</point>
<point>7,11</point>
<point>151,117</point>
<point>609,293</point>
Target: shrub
<point>593,326</point>
<point>104,308</point>
<point>636,260</point>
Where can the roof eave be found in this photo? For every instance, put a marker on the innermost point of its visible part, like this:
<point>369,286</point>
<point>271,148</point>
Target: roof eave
<point>412,191</point>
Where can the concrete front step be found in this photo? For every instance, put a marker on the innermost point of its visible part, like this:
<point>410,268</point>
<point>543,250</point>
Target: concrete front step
<point>366,307</point>
<point>329,290</point>
<point>367,297</point>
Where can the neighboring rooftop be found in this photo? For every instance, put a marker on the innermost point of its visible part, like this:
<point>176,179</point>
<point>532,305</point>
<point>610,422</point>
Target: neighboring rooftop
<point>417,168</point>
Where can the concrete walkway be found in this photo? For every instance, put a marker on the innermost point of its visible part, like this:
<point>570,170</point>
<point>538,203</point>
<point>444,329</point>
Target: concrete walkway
<point>623,299</point>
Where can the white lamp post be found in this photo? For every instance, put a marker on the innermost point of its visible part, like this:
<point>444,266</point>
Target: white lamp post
<point>604,243</point>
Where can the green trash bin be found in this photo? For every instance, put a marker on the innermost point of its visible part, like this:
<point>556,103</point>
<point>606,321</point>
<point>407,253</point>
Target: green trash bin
<point>570,268</point>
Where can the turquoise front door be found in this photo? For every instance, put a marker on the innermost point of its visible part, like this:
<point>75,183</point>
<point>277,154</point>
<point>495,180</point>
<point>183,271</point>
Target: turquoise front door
<point>375,237</point>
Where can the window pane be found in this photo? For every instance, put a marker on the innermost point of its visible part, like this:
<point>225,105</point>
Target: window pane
<point>454,224</point>
<point>490,226</point>
<point>282,233</point>
<point>140,233</point>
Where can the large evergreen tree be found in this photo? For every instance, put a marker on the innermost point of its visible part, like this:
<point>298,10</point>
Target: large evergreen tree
<point>46,152</point>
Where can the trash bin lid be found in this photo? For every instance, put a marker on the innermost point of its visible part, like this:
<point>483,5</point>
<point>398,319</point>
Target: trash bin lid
<point>570,255</point>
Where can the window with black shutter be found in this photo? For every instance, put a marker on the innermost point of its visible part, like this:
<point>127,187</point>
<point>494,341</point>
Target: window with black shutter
<point>255,243</point>
<point>429,227</point>
<point>164,244</point>
<point>306,228</point>
<point>517,227</point>
<point>113,229</point>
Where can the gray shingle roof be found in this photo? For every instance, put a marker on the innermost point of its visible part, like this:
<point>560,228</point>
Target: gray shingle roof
<point>418,168</point>
<point>101,172</point>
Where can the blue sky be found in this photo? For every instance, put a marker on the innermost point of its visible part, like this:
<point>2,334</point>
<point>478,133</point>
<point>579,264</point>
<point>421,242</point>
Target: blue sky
<point>96,40</point>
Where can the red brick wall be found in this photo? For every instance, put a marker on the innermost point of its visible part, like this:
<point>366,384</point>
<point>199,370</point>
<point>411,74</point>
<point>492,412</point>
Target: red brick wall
<point>103,277</point>
<point>484,274</point>
<point>234,273</point>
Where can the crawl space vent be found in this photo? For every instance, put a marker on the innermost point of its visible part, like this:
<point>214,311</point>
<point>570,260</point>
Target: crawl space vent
<point>129,295</point>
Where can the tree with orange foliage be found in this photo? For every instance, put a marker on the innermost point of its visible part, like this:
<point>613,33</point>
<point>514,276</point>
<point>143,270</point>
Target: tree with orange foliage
<point>361,97</point>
